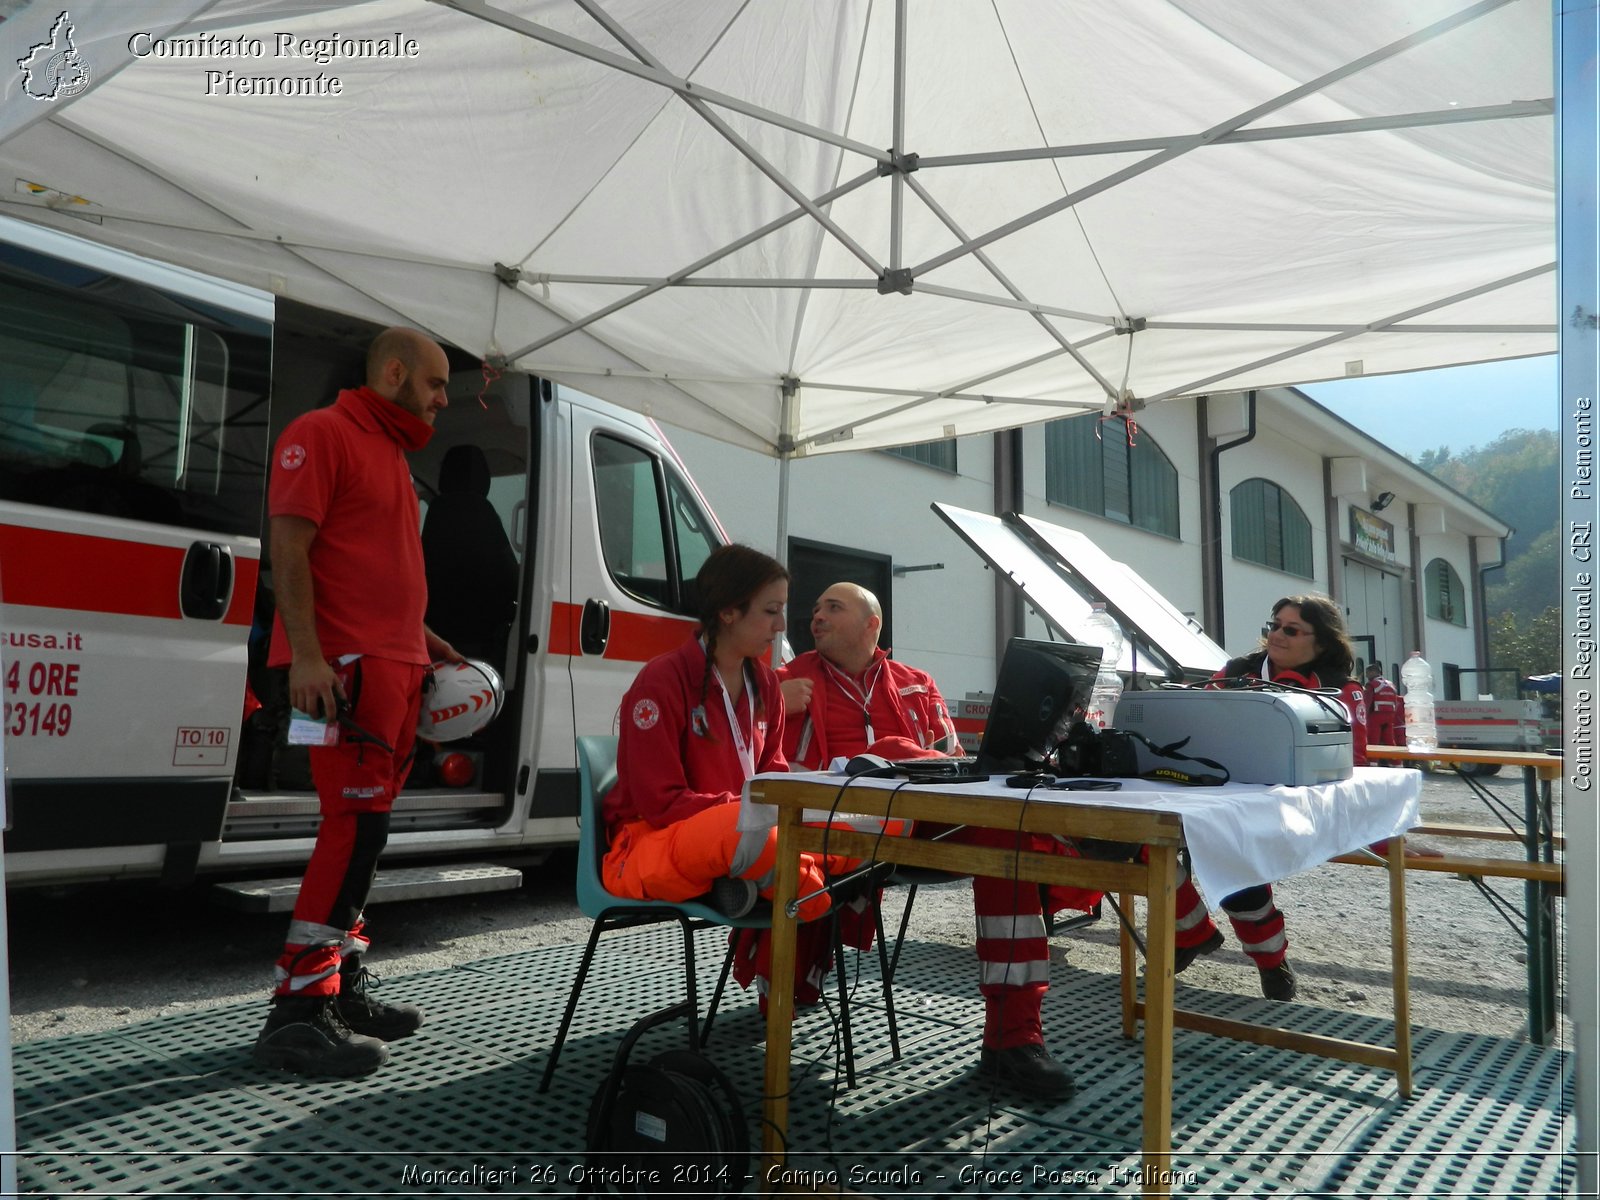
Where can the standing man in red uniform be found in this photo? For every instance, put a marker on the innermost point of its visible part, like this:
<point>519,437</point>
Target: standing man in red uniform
<point>347,568</point>
<point>846,697</point>
<point>1385,710</point>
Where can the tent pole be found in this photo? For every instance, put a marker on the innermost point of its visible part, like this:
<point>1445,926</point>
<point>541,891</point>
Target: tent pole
<point>1206,137</point>
<point>897,185</point>
<point>786,447</point>
<point>1375,327</point>
<point>732,136</point>
<point>652,71</point>
<point>754,235</point>
<point>1515,110</point>
<point>1577,37</point>
<point>782,554</point>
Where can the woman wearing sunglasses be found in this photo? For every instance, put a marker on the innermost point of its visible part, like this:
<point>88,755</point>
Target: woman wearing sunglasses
<point>1304,645</point>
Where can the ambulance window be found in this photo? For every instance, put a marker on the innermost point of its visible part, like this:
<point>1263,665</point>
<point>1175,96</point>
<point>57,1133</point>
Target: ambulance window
<point>128,402</point>
<point>695,534</point>
<point>629,505</point>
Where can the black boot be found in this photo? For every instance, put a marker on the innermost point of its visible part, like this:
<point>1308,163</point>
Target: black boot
<point>306,1035</point>
<point>1280,982</point>
<point>1028,1069</point>
<point>364,1012</point>
<point>1182,956</point>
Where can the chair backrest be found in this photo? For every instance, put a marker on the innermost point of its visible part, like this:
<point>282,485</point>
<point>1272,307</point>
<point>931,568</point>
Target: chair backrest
<point>597,775</point>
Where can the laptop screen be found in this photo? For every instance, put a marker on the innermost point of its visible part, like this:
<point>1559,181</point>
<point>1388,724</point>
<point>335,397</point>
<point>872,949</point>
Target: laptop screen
<point>1043,687</point>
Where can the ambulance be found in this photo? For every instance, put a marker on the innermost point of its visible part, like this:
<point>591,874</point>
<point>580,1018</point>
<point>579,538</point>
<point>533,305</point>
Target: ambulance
<point>144,734</point>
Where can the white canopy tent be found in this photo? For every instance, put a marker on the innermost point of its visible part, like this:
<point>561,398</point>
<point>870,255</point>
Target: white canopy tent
<point>813,225</point>
<point>803,225</point>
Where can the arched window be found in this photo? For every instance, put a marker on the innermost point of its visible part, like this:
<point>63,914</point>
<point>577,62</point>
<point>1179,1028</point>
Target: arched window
<point>1096,466</point>
<point>1270,528</point>
<point>1444,597</point>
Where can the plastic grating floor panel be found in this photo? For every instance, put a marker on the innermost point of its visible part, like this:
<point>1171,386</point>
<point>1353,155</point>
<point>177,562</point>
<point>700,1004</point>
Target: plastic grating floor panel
<point>1486,1117</point>
<point>175,1107</point>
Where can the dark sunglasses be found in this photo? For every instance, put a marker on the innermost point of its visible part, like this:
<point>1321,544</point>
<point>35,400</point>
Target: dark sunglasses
<point>1292,631</point>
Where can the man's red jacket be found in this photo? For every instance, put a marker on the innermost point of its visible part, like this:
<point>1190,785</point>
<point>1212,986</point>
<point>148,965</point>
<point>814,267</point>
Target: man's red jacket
<point>905,704</point>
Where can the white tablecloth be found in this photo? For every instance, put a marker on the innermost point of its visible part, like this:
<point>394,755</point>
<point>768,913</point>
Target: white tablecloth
<point>1239,834</point>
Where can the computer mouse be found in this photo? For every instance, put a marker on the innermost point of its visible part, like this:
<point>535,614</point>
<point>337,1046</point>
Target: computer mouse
<point>863,763</point>
<point>1030,779</point>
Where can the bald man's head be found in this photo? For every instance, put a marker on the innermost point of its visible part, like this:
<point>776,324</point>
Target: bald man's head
<point>845,623</point>
<point>411,369</point>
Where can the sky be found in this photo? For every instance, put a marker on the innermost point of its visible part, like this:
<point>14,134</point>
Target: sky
<point>1458,407</point>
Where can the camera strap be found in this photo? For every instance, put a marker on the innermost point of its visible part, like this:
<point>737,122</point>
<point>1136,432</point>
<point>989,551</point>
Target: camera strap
<point>1176,774</point>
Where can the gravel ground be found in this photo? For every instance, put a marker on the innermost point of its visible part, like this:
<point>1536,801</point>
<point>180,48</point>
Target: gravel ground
<point>110,955</point>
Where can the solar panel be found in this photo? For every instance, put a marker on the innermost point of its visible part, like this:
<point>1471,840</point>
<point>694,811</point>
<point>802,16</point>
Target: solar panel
<point>1062,573</point>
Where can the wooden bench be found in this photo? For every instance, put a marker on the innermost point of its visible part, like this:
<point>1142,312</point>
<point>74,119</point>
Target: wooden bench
<point>1474,866</point>
<point>1471,866</point>
<point>1542,881</point>
<point>1482,833</point>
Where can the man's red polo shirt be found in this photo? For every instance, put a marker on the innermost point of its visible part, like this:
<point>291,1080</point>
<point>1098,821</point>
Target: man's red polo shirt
<point>344,468</point>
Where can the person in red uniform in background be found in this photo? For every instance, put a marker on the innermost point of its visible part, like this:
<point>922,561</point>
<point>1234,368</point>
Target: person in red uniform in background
<point>1304,645</point>
<point>347,566</point>
<point>696,724</point>
<point>848,697</point>
<point>1385,710</point>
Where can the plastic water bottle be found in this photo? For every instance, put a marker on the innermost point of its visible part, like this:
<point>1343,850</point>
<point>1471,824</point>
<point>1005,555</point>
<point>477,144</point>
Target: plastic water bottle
<point>1102,630</point>
<point>1417,675</point>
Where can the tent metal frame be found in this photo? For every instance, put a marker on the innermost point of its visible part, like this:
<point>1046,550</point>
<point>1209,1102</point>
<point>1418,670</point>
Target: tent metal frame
<point>898,166</point>
<point>902,169</point>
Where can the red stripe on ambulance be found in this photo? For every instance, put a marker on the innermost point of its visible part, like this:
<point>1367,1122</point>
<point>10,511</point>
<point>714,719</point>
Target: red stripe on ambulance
<point>84,573</point>
<point>635,637</point>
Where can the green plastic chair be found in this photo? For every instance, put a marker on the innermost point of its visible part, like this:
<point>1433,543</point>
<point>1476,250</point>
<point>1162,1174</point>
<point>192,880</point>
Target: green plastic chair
<point>597,774</point>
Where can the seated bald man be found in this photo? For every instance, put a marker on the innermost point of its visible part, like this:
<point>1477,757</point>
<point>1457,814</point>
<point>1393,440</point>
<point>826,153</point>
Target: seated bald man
<point>847,697</point>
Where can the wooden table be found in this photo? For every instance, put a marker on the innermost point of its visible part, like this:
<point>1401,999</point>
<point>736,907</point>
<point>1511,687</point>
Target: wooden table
<point>1074,815</point>
<point>1539,841</point>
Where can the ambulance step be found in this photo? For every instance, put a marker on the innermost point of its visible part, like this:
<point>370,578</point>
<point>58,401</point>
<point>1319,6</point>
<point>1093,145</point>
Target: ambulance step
<point>394,883</point>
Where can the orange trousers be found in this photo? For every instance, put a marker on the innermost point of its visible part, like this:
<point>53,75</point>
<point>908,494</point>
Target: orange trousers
<point>683,860</point>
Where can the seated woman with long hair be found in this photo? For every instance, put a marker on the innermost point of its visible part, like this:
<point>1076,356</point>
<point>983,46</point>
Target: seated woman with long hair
<point>1304,645</point>
<point>697,722</point>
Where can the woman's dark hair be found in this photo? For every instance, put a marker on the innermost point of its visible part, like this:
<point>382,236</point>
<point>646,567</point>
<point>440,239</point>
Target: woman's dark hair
<point>1336,658</point>
<point>729,578</point>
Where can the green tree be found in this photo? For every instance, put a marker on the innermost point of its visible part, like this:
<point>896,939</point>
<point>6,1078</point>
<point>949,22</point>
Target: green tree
<point>1432,460</point>
<point>1532,645</point>
<point>1515,477</point>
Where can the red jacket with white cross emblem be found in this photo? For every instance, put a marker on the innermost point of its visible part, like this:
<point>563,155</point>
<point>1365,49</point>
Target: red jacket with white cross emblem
<point>905,703</point>
<point>671,766</point>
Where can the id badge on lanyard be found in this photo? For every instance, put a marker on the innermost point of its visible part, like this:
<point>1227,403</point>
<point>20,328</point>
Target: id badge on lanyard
<point>860,697</point>
<point>745,747</point>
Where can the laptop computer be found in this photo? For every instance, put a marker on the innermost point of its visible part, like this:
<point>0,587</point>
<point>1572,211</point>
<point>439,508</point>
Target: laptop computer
<point>1042,688</point>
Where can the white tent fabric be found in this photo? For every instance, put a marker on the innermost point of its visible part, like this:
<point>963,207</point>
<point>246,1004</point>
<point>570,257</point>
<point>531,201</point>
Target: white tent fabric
<point>679,206</point>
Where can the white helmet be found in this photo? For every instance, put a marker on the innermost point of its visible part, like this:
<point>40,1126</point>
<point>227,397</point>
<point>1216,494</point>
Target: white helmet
<point>459,700</point>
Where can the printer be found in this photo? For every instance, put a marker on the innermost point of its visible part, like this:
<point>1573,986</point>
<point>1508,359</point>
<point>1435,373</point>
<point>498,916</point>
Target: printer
<point>1260,735</point>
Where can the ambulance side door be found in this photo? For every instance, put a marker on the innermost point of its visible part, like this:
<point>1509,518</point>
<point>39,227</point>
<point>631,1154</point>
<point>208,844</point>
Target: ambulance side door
<point>639,538</point>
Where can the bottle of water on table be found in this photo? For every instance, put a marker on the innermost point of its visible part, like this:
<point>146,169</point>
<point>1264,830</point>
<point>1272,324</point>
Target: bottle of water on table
<point>1421,731</point>
<point>1102,630</point>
